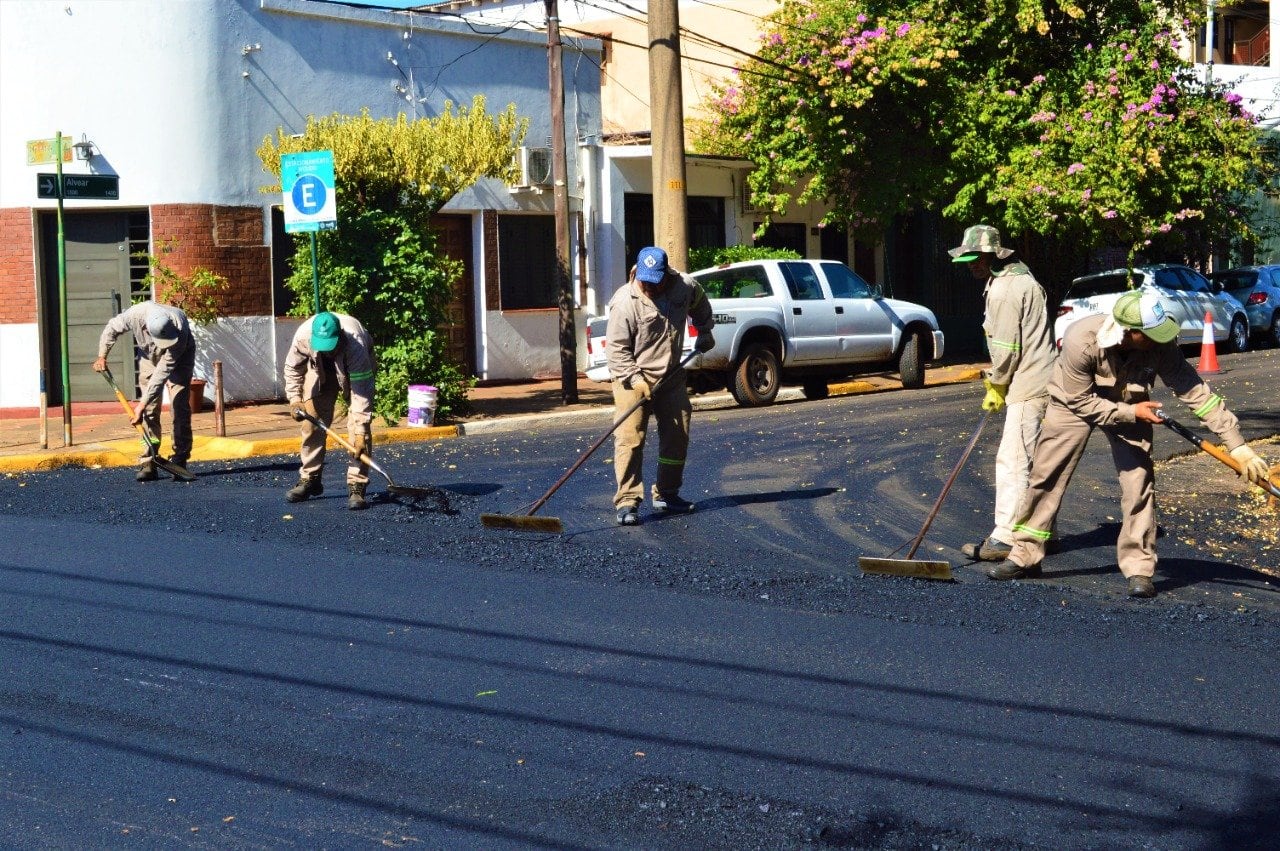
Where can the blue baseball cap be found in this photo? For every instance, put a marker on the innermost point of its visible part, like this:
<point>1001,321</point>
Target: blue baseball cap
<point>651,265</point>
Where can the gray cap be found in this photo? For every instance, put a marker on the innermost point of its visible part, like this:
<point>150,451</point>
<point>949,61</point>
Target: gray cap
<point>164,326</point>
<point>979,239</point>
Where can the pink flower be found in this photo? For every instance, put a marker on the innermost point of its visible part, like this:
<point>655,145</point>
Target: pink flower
<point>1165,228</point>
<point>904,29</point>
<point>1038,78</point>
<point>1086,195</point>
<point>1110,214</point>
<point>1075,167</point>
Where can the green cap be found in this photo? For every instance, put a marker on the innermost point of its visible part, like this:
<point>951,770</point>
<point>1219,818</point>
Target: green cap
<point>1142,311</point>
<point>325,332</point>
<point>966,258</point>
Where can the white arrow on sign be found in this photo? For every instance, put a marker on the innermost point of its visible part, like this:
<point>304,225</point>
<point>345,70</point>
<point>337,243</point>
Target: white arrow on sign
<point>47,186</point>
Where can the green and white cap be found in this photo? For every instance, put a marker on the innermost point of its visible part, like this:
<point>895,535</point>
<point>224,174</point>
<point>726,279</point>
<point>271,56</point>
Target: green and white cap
<point>325,331</point>
<point>1142,311</point>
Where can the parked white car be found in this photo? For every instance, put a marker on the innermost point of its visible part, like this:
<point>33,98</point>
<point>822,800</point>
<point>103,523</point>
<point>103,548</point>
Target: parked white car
<point>1185,294</point>
<point>1258,289</point>
<point>597,359</point>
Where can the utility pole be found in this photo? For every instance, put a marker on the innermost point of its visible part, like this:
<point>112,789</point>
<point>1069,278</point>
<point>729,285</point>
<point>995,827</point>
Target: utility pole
<point>560,188</point>
<point>666,119</point>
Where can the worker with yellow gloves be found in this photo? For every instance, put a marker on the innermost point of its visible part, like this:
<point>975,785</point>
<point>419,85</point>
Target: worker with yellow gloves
<point>1019,340</point>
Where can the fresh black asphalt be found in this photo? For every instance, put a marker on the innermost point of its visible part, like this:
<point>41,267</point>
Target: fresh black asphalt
<point>205,665</point>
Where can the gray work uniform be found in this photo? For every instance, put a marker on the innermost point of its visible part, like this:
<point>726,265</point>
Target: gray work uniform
<point>348,370</point>
<point>1096,386</point>
<point>159,368</point>
<point>644,338</point>
<point>1019,340</point>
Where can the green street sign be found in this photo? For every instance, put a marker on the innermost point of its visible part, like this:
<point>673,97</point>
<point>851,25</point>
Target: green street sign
<point>97,186</point>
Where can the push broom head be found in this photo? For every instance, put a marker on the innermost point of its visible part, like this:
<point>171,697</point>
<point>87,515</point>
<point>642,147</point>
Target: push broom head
<point>523,523</point>
<point>917,568</point>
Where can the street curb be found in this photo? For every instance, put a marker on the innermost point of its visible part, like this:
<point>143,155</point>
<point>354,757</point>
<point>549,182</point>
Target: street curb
<point>125,452</point>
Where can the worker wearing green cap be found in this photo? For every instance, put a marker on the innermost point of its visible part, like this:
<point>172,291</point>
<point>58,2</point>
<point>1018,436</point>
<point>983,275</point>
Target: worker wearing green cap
<point>331,354</point>
<point>1103,379</point>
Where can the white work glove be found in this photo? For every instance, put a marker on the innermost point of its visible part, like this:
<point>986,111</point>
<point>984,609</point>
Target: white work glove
<point>1252,467</point>
<point>705,342</point>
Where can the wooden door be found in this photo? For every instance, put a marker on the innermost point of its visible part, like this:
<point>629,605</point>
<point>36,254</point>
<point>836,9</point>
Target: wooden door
<point>454,233</point>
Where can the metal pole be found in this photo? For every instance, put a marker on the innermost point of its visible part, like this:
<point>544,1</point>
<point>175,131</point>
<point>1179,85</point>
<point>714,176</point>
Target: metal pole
<point>62,303</point>
<point>666,116</point>
<point>560,189</point>
<point>315,271</point>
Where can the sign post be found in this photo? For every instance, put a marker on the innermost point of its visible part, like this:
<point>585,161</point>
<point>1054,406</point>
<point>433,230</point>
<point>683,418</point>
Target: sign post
<point>310,200</point>
<point>62,300</point>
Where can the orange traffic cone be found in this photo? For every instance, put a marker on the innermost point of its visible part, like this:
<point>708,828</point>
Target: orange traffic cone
<point>1208,349</point>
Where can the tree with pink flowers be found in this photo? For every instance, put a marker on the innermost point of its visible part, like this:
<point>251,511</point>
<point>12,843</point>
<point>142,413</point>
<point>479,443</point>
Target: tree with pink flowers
<point>1077,121</point>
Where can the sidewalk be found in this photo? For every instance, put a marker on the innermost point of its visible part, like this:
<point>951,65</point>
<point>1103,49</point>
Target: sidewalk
<point>102,437</point>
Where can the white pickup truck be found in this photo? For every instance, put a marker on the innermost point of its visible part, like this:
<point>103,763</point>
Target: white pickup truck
<point>800,322</point>
<point>807,322</point>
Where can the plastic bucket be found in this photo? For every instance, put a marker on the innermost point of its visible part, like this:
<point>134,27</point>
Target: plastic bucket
<point>422,405</point>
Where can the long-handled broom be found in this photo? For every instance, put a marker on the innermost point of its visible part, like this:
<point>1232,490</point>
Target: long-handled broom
<point>150,443</point>
<point>923,569</point>
<point>1212,449</point>
<point>527,522</point>
<point>392,487</point>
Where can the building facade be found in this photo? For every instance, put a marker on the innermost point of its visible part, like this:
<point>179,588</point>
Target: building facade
<point>175,98</point>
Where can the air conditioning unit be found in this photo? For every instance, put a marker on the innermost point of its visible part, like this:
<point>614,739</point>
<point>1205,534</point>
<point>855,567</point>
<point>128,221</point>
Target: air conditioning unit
<point>533,167</point>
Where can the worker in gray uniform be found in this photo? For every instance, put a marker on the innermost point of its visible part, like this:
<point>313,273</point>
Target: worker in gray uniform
<point>331,354</point>
<point>1103,379</point>
<point>644,338</point>
<point>1020,344</point>
<point>166,353</point>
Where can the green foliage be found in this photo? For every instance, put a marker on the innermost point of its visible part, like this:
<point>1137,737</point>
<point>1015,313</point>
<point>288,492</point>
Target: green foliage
<point>705,258</point>
<point>1073,120</point>
<point>198,293</point>
<point>383,264</point>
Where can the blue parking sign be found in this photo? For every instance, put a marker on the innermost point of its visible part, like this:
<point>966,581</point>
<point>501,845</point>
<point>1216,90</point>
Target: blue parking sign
<point>310,202</point>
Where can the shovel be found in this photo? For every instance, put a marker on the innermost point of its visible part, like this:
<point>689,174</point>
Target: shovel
<point>1214,450</point>
<point>150,443</point>
<point>527,522</point>
<point>403,490</point>
<point>924,569</point>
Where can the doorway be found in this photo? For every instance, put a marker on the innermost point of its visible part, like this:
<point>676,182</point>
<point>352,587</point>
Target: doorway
<point>99,284</point>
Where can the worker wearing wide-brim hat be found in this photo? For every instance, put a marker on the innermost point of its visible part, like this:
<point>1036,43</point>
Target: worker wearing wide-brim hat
<point>331,354</point>
<point>1020,343</point>
<point>1103,379</point>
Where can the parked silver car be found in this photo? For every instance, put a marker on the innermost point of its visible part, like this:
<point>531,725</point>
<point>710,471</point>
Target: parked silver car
<point>1258,289</point>
<point>1185,294</point>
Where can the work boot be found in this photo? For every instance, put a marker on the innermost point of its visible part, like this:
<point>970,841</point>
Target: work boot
<point>355,497</point>
<point>307,487</point>
<point>147,472</point>
<point>628,516</point>
<point>1007,570</point>
<point>992,549</point>
<point>672,503</point>
<point>1141,586</point>
<point>180,471</point>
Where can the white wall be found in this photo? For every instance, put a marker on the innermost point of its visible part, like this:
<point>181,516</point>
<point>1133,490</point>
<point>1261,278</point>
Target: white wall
<point>19,366</point>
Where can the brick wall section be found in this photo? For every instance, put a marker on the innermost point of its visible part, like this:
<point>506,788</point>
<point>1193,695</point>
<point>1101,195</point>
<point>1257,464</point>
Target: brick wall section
<point>17,266</point>
<point>492,282</point>
<point>226,240</point>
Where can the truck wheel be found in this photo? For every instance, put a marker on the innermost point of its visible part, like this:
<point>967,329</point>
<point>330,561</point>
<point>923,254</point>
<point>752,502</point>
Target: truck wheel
<point>816,389</point>
<point>755,379</point>
<point>910,366</point>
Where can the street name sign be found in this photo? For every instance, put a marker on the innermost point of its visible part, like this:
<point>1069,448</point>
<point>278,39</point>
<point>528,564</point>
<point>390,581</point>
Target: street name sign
<point>307,182</point>
<point>97,186</point>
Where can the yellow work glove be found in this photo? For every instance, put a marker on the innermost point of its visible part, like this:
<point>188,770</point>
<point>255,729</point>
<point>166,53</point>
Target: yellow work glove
<point>1252,467</point>
<point>994,400</point>
<point>640,384</point>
